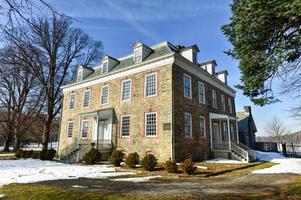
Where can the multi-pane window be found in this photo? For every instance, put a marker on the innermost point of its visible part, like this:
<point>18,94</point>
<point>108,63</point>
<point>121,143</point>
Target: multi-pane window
<point>188,124</point>
<point>232,132</point>
<point>151,124</point>
<point>79,75</point>
<point>202,128</point>
<point>151,85</point>
<point>126,90</point>
<point>69,129</point>
<point>137,55</point>
<point>125,125</point>
<point>214,99</point>
<point>187,86</point>
<point>87,95</point>
<point>201,89</point>
<point>223,102</point>
<point>84,129</point>
<point>105,67</point>
<point>230,105</point>
<point>72,101</point>
<point>104,95</point>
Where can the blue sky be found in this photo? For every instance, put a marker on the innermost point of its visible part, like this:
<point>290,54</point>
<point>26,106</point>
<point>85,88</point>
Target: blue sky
<point>119,23</point>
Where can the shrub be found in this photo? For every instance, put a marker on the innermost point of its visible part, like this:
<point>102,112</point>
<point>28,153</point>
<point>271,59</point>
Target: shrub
<point>149,162</point>
<point>48,154</point>
<point>92,157</point>
<point>19,153</point>
<point>171,166</point>
<point>188,166</point>
<point>35,155</point>
<point>116,157</point>
<point>132,160</point>
<point>27,154</point>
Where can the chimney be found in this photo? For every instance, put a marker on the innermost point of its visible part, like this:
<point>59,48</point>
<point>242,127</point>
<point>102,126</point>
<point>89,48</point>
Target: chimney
<point>247,110</point>
<point>209,66</point>
<point>222,75</point>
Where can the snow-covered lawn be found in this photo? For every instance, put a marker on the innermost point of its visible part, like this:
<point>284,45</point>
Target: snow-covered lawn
<point>286,165</point>
<point>30,170</point>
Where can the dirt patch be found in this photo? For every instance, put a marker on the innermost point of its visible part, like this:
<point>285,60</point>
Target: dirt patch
<point>250,183</point>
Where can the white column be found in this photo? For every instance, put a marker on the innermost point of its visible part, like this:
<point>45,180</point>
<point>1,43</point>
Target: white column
<point>210,127</point>
<point>237,132</point>
<point>229,136</point>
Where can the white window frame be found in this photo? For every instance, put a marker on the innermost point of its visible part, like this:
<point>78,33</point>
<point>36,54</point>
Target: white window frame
<point>135,55</point>
<point>108,97</point>
<point>107,66</point>
<point>89,99</point>
<point>156,84</point>
<point>121,118</point>
<point>68,124</point>
<point>190,86</point>
<point>145,124</point>
<point>230,105</point>
<point>79,78</point>
<point>122,90</point>
<point>205,135</point>
<point>201,100</point>
<point>81,130</point>
<point>190,129</point>
<point>72,94</point>
<point>223,102</point>
<point>214,99</point>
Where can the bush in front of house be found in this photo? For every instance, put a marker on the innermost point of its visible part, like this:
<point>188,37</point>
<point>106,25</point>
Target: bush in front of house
<point>92,157</point>
<point>19,153</point>
<point>171,166</point>
<point>116,157</point>
<point>27,154</point>
<point>132,160</point>
<point>149,162</point>
<point>188,166</point>
<point>48,154</point>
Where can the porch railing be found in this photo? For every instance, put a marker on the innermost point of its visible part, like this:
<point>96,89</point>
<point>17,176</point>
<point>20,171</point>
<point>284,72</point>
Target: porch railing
<point>251,152</point>
<point>223,145</point>
<point>240,151</point>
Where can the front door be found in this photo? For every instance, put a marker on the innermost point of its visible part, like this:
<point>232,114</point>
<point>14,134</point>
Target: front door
<point>216,133</point>
<point>105,133</point>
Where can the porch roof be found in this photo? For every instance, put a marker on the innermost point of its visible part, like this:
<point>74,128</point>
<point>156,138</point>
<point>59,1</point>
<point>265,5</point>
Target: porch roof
<point>221,116</point>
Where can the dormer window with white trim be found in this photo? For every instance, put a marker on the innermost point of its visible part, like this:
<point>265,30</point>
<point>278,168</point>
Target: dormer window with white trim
<point>79,76</point>
<point>105,67</point>
<point>137,55</point>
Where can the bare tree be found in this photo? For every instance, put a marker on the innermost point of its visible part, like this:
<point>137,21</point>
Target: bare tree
<point>276,129</point>
<point>20,95</point>
<point>54,48</point>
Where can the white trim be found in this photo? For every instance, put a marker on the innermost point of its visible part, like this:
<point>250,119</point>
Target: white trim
<point>135,56</point>
<point>105,62</point>
<point>150,136</point>
<point>68,129</point>
<point>121,117</point>
<point>81,128</point>
<point>203,117</point>
<point>108,86</point>
<point>190,131</point>
<point>71,94</point>
<point>156,86</point>
<point>89,99</point>
<point>220,116</point>
<point>127,71</point>
<point>214,94</point>
<point>203,75</point>
<point>121,95</point>
<point>204,97</point>
<point>190,90</point>
<point>81,71</point>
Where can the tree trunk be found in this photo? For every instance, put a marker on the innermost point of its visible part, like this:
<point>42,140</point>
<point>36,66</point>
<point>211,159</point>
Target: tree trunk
<point>46,134</point>
<point>17,142</point>
<point>7,143</point>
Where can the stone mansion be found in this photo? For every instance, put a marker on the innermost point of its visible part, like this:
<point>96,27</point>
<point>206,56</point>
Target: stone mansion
<point>158,99</point>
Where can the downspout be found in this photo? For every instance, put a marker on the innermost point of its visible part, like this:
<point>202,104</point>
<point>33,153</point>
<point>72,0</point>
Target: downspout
<point>60,125</point>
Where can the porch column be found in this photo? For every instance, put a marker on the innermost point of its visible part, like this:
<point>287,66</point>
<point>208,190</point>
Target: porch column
<point>210,127</point>
<point>237,136</point>
<point>97,130</point>
<point>229,135</point>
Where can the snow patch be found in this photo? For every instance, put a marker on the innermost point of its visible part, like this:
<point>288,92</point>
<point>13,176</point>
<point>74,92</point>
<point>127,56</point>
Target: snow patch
<point>136,180</point>
<point>31,170</point>
<point>2,196</point>
<point>224,160</point>
<point>79,186</point>
<point>285,165</point>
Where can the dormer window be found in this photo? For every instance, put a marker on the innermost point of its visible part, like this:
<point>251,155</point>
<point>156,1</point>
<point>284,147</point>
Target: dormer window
<point>79,75</point>
<point>105,67</point>
<point>137,55</point>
